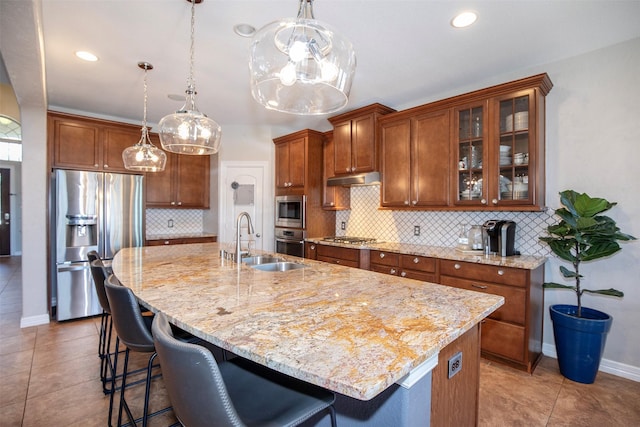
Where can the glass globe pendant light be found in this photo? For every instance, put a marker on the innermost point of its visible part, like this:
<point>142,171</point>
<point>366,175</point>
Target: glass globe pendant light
<point>301,65</point>
<point>144,156</point>
<point>188,131</point>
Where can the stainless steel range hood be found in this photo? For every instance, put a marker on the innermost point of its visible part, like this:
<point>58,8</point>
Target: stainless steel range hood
<point>369,178</point>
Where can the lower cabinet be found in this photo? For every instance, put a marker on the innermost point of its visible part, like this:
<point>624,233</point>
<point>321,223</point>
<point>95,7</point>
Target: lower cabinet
<point>409,266</point>
<point>513,333</point>
<point>349,257</point>
<point>180,241</point>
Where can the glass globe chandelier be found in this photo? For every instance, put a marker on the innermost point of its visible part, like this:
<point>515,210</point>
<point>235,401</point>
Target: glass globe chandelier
<point>188,131</point>
<point>144,156</point>
<point>301,65</point>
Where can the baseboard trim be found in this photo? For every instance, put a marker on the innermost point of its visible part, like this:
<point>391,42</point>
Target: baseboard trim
<point>609,366</point>
<point>41,319</point>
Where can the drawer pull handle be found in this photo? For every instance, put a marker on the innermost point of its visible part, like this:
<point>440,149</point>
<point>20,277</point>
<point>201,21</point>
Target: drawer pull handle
<point>381,254</point>
<point>500,272</point>
<point>416,260</point>
<point>457,266</point>
<point>403,274</point>
<point>393,271</point>
<point>166,242</point>
<point>312,247</point>
<point>473,285</point>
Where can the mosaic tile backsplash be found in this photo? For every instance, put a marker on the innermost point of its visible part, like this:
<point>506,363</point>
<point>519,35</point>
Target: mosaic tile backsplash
<point>174,221</point>
<point>440,228</point>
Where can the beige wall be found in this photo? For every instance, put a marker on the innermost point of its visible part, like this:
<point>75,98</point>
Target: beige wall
<point>8,103</point>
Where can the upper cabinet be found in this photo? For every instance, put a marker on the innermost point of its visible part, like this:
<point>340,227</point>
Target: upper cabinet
<point>415,159</point>
<point>89,144</point>
<point>298,161</point>
<point>355,140</point>
<point>483,150</point>
<point>498,145</point>
<point>184,183</point>
<point>333,198</point>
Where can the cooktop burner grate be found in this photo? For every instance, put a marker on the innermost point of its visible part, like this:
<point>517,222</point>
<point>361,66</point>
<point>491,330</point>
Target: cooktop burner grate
<point>350,240</point>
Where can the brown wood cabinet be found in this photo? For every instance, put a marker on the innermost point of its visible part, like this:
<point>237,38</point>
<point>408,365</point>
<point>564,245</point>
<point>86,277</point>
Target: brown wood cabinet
<point>349,257</point>
<point>84,143</point>
<point>513,333</point>
<point>183,184</point>
<point>498,147</point>
<point>310,250</point>
<point>180,241</point>
<point>291,165</point>
<point>410,266</point>
<point>415,159</point>
<point>333,198</point>
<point>355,139</point>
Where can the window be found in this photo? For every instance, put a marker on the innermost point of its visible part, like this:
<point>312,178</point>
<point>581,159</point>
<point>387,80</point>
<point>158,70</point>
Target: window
<point>10,139</point>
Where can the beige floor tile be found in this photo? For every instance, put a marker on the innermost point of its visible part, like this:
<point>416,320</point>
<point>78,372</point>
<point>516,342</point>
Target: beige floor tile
<point>12,414</point>
<point>15,363</point>
<point>64,373</point>
<point>52,352</point>
<point>25,340</point>
<point>13,388</point>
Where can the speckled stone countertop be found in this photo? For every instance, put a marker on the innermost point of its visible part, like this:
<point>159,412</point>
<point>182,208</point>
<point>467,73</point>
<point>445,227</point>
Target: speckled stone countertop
<point>352,331</point>
<point>518,261</point>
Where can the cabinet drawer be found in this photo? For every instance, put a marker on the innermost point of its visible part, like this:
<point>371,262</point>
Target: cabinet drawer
<point>484,272</point>
<point>418,275</point>
<point>345,262</point>
<point>420,263</point>
<point>338,252</point>
<point>381,268</point>
<point>384,258</point>
<point>503,339</point>
<point>515,298</point>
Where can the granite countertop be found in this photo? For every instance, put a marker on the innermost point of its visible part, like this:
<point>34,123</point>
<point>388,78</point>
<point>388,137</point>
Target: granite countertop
<point>167,236</point>
<point>353,331</point>
<point>526,262</point>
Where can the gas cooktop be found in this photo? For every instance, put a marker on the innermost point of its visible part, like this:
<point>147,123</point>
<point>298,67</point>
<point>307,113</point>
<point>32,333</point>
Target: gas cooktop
<point>351,240</point>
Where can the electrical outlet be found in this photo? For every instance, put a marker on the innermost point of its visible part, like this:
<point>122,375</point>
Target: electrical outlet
<point>455,364</point>
<point>343,225</point>
<point>170,223</point>
<point>416,230</point>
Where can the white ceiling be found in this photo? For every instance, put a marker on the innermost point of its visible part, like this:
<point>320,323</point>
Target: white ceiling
<point>407,51</point>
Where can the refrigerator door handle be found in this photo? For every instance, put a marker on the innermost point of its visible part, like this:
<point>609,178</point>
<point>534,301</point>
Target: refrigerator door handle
<point>73,267</point>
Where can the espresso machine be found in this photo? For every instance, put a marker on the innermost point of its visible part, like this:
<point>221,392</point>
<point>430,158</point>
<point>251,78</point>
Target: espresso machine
<point>499,237</point>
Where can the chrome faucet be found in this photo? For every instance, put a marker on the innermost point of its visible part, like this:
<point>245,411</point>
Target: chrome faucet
<point>239,251</point>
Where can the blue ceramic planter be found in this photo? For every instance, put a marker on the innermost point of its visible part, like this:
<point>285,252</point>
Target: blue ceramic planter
<point>579,340</point>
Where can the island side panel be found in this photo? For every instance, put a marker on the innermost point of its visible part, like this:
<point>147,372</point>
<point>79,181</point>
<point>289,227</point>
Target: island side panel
<point>454,401</point>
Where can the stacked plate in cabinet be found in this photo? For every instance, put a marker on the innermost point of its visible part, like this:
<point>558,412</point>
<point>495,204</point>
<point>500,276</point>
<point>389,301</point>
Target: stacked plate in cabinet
<point>505,155</point>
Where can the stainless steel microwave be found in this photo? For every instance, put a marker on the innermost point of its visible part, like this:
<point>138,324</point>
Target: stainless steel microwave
<point>291,211</point>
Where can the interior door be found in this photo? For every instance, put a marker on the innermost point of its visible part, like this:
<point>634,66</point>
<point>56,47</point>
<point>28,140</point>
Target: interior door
<point>5,216</point>
<point>242,190</point>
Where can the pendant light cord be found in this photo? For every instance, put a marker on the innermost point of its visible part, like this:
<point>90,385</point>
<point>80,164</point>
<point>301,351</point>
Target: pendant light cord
<point>191,84</point>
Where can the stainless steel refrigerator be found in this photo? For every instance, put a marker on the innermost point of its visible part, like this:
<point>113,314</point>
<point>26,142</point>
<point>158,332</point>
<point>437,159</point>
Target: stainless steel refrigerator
<point>93,211</point>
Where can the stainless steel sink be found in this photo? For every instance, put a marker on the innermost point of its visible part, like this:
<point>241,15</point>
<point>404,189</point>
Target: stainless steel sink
<point>279,266</point>
<point>261,259</point>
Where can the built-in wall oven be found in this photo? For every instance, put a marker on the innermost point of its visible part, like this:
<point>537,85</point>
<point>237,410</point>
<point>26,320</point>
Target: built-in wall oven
<point>291,211</point>
<point>290,241</point>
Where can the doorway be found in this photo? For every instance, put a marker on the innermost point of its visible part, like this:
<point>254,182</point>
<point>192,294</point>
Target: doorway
<point>242,189</point>
<point>5,212</point>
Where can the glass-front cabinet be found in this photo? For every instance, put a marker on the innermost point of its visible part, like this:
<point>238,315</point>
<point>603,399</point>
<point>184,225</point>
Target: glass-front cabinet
<point>498,147</point>
<point>471,158</point>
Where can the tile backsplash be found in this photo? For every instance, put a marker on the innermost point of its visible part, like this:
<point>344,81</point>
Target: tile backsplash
<point>437,228</point>
<point>174,221</point>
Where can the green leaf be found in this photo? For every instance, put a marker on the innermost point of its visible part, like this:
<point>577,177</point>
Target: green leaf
<point>611,292</point>
<point>552,285</point>
<point>568,273</point>
<point>562,248</point>
<point>586,206</point>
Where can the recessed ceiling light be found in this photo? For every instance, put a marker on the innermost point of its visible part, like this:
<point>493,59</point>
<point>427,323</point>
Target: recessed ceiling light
<point>464,19</point>
<point>87,56</point>
<point>244,30</point>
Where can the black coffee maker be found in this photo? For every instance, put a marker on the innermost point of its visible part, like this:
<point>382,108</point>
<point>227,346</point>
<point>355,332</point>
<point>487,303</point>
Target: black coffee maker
<point>499,237</point>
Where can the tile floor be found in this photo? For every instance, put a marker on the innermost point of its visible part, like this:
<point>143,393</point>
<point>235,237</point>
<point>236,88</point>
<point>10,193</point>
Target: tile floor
<point>49,376</point>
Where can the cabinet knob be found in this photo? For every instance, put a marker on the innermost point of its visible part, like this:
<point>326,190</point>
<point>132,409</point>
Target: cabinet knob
<point>392,271</point>
<point>494,201</point>
<point>457,266</point>
<point>95,165</point>
<point>483,201</point>
<point>403,274</point>
<point>312,247</point>
<point>381,254</point>
<point>332,204</point>
<point>353,169</point>
<point>406,202</point>
<point>173,203</point>
<point>416,260</point>
<point>166,242</point>
<point>415,202</point>
<point>337,261</point>
<point>348,170</point>
<point>179,203</point>
<point>500,272</point>
<point>106,166</point>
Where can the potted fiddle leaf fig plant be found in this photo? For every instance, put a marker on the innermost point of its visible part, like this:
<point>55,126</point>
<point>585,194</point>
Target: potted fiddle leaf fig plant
<point>582,235</point>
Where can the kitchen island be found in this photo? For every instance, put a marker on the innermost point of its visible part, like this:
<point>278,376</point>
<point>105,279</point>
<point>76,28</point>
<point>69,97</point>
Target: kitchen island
<point>371,338</point>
